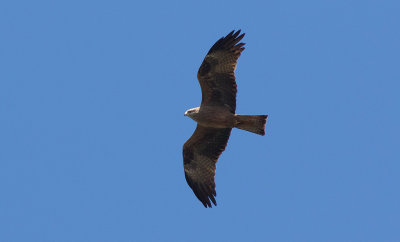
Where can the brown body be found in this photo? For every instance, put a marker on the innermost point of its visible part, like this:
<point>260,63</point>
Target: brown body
<point>215,117</point>
<point>221,117</point>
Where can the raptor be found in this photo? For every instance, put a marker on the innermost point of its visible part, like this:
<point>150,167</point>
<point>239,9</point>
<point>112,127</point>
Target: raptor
<point>215,117</point>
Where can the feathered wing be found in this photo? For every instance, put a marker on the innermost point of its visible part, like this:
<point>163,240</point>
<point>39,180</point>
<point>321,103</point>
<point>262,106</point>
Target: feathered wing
<point>217,72</point>
<point>216,76</point>
<point>200,155</point>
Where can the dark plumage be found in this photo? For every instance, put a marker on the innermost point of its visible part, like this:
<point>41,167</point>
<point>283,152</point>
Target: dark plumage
<point>215,117</point>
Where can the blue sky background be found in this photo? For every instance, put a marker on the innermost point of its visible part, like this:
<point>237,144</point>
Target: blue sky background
<point>92,96</point>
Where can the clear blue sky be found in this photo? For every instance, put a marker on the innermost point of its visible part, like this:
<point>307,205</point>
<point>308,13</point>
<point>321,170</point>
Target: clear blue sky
<point>92,97</point>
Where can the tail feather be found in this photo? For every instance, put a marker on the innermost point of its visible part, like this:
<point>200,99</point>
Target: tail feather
<point>251,123</point>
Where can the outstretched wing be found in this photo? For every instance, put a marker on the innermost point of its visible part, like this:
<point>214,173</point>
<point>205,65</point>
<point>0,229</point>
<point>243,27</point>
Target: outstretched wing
<point>217,72</point>
<point>200,155</point>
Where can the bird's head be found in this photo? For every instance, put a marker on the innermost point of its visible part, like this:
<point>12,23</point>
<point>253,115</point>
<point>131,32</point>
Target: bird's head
<point>191,113</point>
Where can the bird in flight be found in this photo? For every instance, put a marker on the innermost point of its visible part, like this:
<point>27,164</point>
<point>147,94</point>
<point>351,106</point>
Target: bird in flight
<point>215,117</point>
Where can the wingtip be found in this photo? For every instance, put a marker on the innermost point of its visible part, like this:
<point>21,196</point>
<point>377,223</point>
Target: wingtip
<point>229,42</point>
<point>236,33</point>
<point>205,195</point>
<point>210,205</point>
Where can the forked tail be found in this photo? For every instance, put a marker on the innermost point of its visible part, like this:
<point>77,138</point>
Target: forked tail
<point>252,123</point>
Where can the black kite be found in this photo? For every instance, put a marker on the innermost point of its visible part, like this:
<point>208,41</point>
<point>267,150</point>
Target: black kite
<point>215,117</point>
